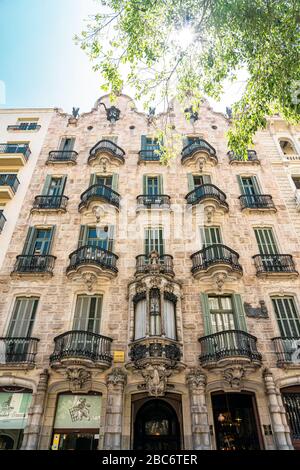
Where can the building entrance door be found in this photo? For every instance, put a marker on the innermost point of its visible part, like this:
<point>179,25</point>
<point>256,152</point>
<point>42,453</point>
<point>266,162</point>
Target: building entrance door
<point>156,427</point>
<point>76,440</point>
<point>235,419</point>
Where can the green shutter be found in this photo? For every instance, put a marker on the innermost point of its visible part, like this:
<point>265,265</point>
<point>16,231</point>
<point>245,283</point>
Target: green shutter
<point>110,237</point>
<point>206,179</point>
<point>206,314</point>
<point>47,185</point>
<point>93,179</point>
<point>239,312</point>
<point>255,185</point>
<point>160,184</point>
<point>145,184</point>
<point>62,143</point>
<point>115,181</point>
<point>62,185</point>
<point>191,185</point>
<point>143,142</point>
<point>29,240</point>
<point>240,184</point>
<point>51,237</point>
<point>82,235</point>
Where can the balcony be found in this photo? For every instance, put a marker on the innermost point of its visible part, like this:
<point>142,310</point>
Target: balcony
<point>13,156</point>
<point>229,347</point>
<point>18,352</point>
<point>2,221</point>
<point>154,263</point>
<point>152,155</point>
<point>106,150</point>
<point>50,204</point>
<point>34,265</point>
<point>157,201</point>
<point>68,157</point>
<point>200,152</point>
<point>257,202</point>
<point>287,350</point>
<point>216,259</point>
<point>8,187</point>
<point>96,193</point>
<point>155,349</point>
<point>209,195</point>
<point>89,258</point>
<point>275,265</point>
<point>78,347</point>
<point>24,127</point>
<point>252,158</point>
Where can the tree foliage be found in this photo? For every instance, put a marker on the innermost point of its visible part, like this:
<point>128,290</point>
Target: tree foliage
<point>144,44</point>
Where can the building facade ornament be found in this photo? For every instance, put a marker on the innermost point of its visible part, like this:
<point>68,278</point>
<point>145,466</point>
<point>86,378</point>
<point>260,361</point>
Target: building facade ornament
<point>196,378</point>
<point>220,279</point>
<point>234,376</point>
<point>156,378</point>
<point>89,279</point>
<point>79,378</point>
<point>117,376</point>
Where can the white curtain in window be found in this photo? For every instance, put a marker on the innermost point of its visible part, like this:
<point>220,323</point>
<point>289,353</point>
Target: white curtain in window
<point>169,319</point>
<point>140,319</point>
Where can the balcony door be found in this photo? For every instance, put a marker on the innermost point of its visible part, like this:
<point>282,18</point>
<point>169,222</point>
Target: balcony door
<point>38,241</point>
<point>87,319</point>
<point>154,240</point>
<point>267,246</point>
<point>211,238</point>
<point>99,237</point>
<point>54,186</point>
<point>221,313</point>
<point>249,188</point>
<point>67,144</point>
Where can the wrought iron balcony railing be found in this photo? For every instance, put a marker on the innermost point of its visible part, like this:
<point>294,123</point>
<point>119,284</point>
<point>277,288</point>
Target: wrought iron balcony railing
<point>108,147</point>
<point>62,156</point>
<point>157,200</point>
<point>150,155</point>
<point>155,347</point>
<point>99,191</point>
<point>198,146</point>
<point>78,344</point>
<point>11,181</point>
<point>162,264</point>
<point>50,202</point>
<point>228,344</point>
<point>215,254</point>
<point>287,350</point>
<point>18,350</point>
<point>16,148</point>
<point>2,221</point>
<point>274,264</point>
<point>34,264</point>
<point>89,254</point>
<point>256,201</point>
<point>206,191</point>
<point>24,126</point>
<point>252,157</point>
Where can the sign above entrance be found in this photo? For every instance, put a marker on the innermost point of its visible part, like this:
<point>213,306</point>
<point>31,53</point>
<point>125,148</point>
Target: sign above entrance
<point>78,412</point>
<point>14,410</point>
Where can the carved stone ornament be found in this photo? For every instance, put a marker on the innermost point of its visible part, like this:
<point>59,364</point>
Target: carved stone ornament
<point>234,376</point>
<point>89,279</point>
<point>195,378</point>
<point>209,212</point>
<point>169,287</point>
<point>155,281</point>
<point>78,377</point>
<point>103,162</point>
<point>98,212</point>
<point>140,287</point>
<point>156,378</point>
<point>256,312</point>
<point>117,377</point>
<point>201,163</point>
<point>219,279</point>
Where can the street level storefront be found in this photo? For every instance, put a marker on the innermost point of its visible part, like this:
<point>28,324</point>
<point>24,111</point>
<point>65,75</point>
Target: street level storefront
<point>291,401</point>
<point>77,422</point>
<point>14,405</point>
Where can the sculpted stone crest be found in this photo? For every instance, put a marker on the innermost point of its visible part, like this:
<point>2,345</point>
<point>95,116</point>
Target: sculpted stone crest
<point>234,376</point>
<point>78,377</point>
<point>156,378</point>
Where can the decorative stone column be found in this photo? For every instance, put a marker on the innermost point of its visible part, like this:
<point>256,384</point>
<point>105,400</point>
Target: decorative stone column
<point>196,381</point>
<point>277,412</point>
<point>35,414</point>
<point>116,382</point>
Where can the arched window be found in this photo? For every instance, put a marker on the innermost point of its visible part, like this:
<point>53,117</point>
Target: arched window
<point>287,147</point>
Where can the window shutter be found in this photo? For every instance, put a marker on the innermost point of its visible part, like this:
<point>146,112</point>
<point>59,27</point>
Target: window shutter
<point>191,185</point>
<point>93,179</point>
<point>206,179</point>
<point>82,235</point>
<point>115,181</point>
<point>240,184</point>
<point>239,312</point>
<point>206,314</point>
<point>160,184</point>
<point>62,185</point>
<point>29,240</point>
<point>145,184</point>
<point>255,185</point>
<point>47,185</point>
<point>51,237</point>
<point>143,142</point>
<point>62,144</point>
<point>110,237</point>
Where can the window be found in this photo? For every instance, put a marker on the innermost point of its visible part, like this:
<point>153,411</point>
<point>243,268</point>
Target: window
<point>38,241</point>
<point>111,138</point>
<point>100,237</point>
<point>195,181</point>
<point>152,185</point>
<point>222,313</point>
<point>287,147</point>
<point>88,313</point>
<point>23,317</point>
<point>67,144</point>
<point>210,236</point>
<point>107,180</point>
<point>154,241</point>
<point>149,143</point>
<point>140,313</point>
<point>287,316</point>
<point>266,241</point>
<point>28,126</point>
<point>296,181</point>
<point>54,186</point>
<point>249,185</point>
<point>104,180</point>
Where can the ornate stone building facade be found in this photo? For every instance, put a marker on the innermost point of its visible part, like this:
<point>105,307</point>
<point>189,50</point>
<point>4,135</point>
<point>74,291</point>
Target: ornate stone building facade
<point>147,306</point>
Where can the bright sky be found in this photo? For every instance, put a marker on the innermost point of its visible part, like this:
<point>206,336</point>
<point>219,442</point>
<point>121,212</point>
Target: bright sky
<point>41,66</point>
